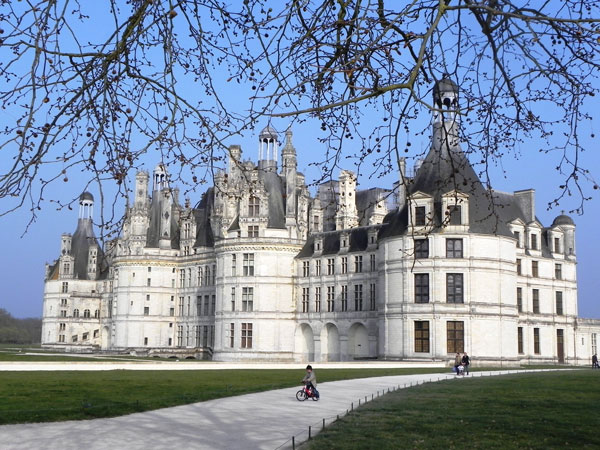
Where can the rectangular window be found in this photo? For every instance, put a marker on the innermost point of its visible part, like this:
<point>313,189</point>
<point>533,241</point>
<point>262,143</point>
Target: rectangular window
<point>455,337</point>
<point>316,223</point>
<point>536,341</point>
<point>207,276</point>
<point>96,333</point>
<point>536,300</point>
<point>171,312</point>
<point>535,269</point>
<point>233,299</point>
<point>421,248</point>
<point>305,268</point>
<point>247,299</point>
<point>233,265</point>
<point>318,299</point>
<point>305,299</point>
<point>146,310</point>
<point>559,303</point>
<point>197,329</point>
<point>253,231</point>
<point>206,300</point>
<point>372,297</point>
<point>330,266</point>
<point>421,288</point>
<point>248,264</point>
<point>330,298</point>
<point>213,304</point>
<point>517,238</point>
<point>344,264</point>
<point>318,267</point>
<point>358,260</point>
<point>454,248</point>
<point>519,269</point>
<point>372,263</point>
<point>253,206</point>
<point>520,340</point>
<point>520,299</point>
<point>534,241</point>
<point>558,271</point>
<point>455,212</point>
<point>454,288</point>
<point>231,335</point>
<point>179,335</point>
<point>205,336</point>
<point>181,302</point>
<point>74,338</point>
<point>358,297</point>
<point>594,344</point>
<point>65,287</point>
<point>422,336</point>
<point>419,216</point>
<point>556,245</point>
<point>344,297</point>
<point>246,335</point>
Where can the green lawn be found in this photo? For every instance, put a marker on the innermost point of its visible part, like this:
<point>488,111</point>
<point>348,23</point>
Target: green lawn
<point>52,396</point>
<point>541,410</point>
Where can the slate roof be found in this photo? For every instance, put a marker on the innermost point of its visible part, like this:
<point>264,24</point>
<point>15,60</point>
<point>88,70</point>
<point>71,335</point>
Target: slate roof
<point>359,240</point>
<point>202,212</point>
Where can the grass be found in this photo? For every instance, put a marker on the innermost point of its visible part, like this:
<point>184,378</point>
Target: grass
<point>542,410</point>
<point>72,395</point>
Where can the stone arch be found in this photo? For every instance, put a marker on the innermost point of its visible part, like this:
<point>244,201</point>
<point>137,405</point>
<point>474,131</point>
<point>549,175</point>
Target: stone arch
<point>304,343</point>
<point>330,343</point>
<point>358,341</point>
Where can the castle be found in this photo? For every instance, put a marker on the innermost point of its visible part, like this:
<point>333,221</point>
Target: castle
<point>262,270</point>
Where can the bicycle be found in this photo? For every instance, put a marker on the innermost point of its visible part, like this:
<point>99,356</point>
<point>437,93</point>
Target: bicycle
<point>305,393</point>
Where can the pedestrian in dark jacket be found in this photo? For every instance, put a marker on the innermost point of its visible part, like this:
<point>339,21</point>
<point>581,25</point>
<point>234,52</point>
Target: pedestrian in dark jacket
<point>465,362</point>
<point>595,361</point>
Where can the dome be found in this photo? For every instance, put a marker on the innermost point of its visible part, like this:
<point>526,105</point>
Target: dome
<point>268,132</point>
<point>563,219</point>
<point>86,196</point>
<point>160,168</point>
<point>445,85</point>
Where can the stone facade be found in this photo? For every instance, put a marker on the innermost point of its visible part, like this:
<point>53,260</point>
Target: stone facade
<point>260,269</point>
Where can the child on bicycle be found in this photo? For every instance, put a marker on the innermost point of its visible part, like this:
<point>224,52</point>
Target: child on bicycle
<point>310,380</point>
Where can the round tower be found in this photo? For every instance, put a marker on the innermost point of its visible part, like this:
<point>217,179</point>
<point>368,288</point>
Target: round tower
<point>267,148</point>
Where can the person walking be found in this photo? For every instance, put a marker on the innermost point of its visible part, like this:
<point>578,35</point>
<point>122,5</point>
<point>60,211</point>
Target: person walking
<point>466,361</point>
<point>595,361</point>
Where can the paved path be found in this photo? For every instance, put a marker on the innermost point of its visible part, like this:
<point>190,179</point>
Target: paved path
<point>265,420</point>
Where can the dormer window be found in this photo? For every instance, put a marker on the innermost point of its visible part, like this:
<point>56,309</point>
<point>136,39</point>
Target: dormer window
<point>420,216</point>
<point>534,243</point>
<point>556,245</point>
<point>455,212</point>
<point>518,238</point>
<point>253,206</point>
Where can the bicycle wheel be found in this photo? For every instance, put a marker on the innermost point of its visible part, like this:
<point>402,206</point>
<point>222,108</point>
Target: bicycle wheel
<point>315,398</point>
<point>301,395</point>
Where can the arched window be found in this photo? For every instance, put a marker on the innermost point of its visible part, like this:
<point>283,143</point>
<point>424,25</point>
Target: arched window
<point>253,206</point>
<point>75,313</point>
<point>86,313</point>
<point>97,314</point>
